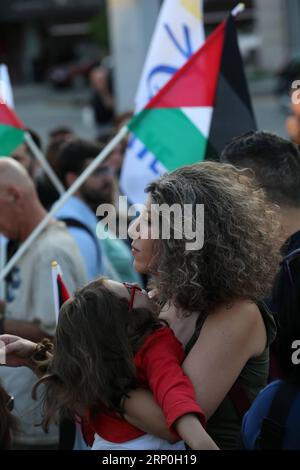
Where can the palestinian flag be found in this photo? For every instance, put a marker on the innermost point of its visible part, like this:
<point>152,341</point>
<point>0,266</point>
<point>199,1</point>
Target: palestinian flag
<point>60,292</point>
<point>11,130</point>
<point>202,107</point>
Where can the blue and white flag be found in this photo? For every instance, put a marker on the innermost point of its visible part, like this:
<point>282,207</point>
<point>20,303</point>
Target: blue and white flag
<point>178,34</point>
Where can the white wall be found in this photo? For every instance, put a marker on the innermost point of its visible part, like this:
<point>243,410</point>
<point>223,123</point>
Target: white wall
<point>131,24</point>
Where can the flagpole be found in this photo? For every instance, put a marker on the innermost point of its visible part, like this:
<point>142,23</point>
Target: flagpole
<point>238,9</point>
<point>75,186</point>
<point>47,168</point>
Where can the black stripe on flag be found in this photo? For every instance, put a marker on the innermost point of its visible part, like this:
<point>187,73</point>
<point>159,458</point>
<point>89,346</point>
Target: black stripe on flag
<point>233,113</point>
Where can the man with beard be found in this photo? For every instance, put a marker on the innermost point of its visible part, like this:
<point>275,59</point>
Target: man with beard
<point>110,257</point>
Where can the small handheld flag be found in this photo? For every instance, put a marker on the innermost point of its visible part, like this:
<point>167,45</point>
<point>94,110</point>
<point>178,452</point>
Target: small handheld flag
<point>60,292</point>
<point>202,107</point>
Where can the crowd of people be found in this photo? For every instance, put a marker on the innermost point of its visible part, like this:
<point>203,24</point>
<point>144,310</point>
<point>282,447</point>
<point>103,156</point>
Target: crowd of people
<point>159,346</point>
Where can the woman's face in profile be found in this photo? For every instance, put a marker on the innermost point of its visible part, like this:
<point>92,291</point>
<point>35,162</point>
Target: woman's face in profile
<point>144,246</point>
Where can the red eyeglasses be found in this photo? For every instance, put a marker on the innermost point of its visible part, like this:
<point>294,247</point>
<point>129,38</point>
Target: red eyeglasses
<point>132,288</point>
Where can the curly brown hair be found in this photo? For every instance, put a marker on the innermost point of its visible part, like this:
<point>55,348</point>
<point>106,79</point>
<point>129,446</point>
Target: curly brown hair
<point>240,256</point>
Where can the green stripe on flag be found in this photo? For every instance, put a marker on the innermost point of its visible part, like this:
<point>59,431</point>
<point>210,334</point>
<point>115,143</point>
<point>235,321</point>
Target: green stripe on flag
<point>170,136</point>
<point>10,139</point>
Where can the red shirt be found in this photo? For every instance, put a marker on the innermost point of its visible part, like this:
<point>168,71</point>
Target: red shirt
<point>158,365</point>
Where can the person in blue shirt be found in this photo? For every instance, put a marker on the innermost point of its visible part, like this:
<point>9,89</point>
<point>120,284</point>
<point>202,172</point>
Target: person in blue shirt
<point>273,421</point>
<point>77,210</point>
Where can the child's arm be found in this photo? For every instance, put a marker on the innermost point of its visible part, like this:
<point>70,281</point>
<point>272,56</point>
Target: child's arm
<point>160,360</point>
<point>143,412</point>
<point>193,434</point>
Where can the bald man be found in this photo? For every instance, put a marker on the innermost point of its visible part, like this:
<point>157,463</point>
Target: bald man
<point>29,308</point>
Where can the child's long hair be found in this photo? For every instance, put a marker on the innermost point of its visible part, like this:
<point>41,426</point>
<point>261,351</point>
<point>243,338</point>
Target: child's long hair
<point>94,345</point>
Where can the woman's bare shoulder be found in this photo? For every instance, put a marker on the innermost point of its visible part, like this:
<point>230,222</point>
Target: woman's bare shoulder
<point>240,320</point>
<point>241,309</point>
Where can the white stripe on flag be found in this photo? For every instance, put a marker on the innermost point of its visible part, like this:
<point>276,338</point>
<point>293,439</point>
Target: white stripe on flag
<point>201,118</point>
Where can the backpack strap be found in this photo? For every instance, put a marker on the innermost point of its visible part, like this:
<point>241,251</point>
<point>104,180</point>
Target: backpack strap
<point>67,427</point>
<point>274,425</point>
<point>70,222</point>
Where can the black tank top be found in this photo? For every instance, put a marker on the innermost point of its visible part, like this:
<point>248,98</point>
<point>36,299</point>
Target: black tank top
<point>225,424</point>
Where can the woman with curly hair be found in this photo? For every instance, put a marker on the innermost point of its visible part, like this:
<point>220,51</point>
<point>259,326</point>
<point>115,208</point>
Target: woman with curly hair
<point>213,297</point>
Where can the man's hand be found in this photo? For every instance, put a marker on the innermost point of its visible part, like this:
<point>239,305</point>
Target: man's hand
<point>17,351</point>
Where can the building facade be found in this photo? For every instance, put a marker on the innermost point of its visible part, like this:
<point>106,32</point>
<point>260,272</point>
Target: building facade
<point>31,33</point>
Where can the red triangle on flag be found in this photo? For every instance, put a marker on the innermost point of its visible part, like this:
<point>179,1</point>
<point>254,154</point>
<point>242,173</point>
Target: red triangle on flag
<point>195,84</point>
<point>8,117</point>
